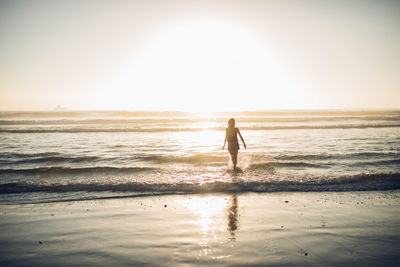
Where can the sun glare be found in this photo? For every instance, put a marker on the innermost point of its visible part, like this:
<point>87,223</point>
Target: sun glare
<point>201,67</point>
<point>207,209</point>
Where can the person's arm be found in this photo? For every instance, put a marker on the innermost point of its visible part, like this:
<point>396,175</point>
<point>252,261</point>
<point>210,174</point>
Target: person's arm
<point>241,137</point>
<point>223,147</point>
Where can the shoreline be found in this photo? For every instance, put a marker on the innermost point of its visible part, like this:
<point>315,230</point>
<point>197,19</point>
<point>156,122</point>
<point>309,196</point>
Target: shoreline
<point>281,228</point>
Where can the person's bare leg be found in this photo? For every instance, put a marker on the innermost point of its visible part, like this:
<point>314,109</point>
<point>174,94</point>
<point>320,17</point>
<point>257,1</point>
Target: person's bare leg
<point>234,159</point>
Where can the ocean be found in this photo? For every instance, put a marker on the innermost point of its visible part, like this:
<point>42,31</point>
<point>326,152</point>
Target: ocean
<point>77,155</point>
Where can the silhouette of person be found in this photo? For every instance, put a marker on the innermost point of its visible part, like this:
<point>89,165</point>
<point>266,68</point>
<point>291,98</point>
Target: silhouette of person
<point>233,144</point>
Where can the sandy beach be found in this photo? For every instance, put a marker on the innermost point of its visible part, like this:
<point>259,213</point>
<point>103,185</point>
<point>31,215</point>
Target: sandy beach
<point>317,229</point>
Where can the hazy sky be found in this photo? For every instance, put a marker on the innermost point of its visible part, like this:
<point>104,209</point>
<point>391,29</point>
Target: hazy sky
<point>199,55</point>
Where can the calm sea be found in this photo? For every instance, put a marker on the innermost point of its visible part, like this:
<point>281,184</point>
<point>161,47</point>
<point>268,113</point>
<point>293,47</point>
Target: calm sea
<point>58,156</point>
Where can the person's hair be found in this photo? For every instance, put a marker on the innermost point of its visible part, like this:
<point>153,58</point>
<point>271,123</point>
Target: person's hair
<point>231,123</point>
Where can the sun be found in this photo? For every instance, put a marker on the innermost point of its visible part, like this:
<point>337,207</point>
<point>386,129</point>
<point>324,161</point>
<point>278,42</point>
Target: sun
<point>201,67</point>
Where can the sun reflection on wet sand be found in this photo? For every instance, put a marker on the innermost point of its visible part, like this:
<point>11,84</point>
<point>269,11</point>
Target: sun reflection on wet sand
<point>215,215</point>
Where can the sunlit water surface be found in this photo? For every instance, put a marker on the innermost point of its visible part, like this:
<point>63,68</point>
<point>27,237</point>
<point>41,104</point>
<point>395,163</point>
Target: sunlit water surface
<point>89,154</point>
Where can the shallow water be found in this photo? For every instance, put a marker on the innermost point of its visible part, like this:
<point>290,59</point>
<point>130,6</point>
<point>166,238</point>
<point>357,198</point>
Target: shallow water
<point>157,152</point>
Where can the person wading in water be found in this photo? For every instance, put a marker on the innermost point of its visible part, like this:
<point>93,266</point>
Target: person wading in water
<point>233,143</point>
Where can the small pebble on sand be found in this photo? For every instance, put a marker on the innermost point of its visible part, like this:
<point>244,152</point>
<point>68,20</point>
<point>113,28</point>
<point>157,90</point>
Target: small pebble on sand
<point>165,206</point>
<point>286,201</point>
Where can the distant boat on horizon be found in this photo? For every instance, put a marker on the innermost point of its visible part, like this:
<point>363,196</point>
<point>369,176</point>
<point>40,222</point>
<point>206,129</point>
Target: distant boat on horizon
<point>60,108</point>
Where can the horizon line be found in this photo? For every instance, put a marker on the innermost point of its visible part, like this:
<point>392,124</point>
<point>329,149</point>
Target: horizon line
<point>206,112</point>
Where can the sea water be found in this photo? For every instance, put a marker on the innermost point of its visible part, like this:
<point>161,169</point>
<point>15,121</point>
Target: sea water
<point>57,156</point>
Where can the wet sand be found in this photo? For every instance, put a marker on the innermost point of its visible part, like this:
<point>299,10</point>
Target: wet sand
<point>320,229</point>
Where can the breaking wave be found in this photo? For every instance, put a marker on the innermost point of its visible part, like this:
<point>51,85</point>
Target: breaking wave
<point>380,181</point>
<point>180,120</point>
<point>280,159</point>
<point>192,129</point>
<point>75,171</point>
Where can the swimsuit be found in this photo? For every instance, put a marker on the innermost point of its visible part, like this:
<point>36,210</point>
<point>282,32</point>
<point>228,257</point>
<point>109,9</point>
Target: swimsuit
<point>233,144</point>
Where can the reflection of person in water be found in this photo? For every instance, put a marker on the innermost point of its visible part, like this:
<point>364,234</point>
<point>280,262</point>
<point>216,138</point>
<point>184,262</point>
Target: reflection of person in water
<point>233,144</point>
<point>233,216</point>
